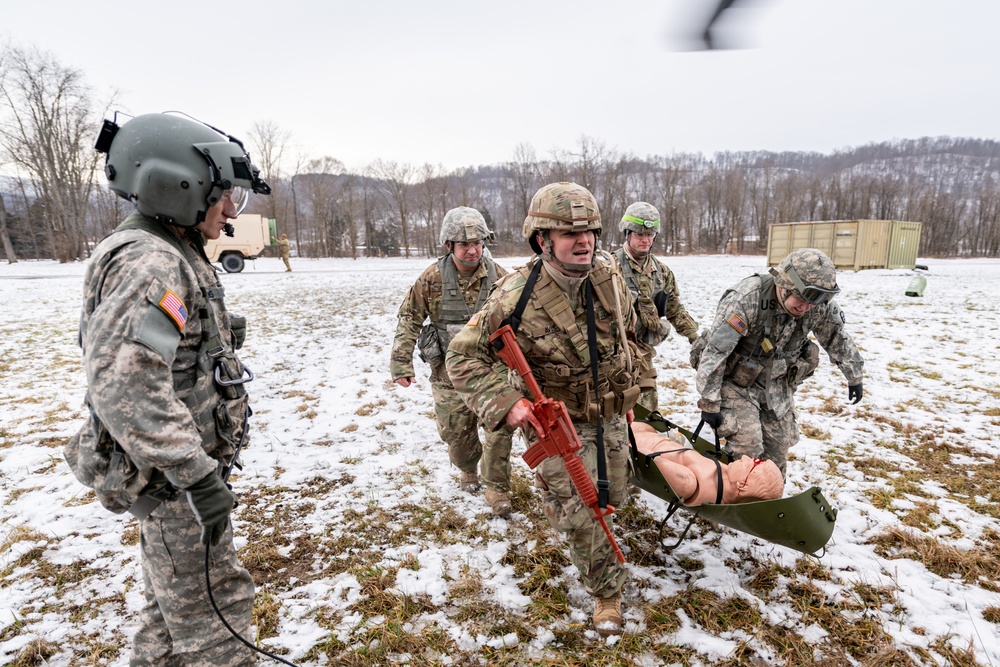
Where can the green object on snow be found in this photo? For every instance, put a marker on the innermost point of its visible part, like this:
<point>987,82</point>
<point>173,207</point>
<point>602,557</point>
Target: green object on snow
<point>916,286</point>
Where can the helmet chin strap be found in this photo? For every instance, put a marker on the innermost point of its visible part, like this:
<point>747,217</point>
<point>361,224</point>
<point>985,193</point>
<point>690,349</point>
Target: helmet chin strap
<point>782,298</point>
<point>461,262</point>
<point>573,269</point>
<point>638,254</point>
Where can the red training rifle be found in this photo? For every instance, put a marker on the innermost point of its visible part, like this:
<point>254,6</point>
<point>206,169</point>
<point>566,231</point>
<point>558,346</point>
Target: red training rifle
<point>557,436</point>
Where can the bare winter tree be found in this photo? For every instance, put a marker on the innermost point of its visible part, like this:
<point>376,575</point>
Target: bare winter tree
<point>268,145</point>
<point>47,132</point>
<point>523,173</point>
<point>322,190</point>
<point>394,184</point>
<point>8,247</point>
<point>432,206</point>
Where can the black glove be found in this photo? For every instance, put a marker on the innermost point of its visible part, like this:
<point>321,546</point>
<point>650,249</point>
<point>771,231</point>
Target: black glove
<point>212,502</point>
<point>713,419</point>
<point>660,299</point>
<point>855,392</point>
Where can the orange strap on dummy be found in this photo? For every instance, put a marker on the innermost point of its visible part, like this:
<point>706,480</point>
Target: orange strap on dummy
<point>557,437</point>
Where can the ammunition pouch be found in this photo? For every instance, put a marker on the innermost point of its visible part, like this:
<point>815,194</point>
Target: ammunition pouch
<point>745,372</point>
<point>806,365</point>
<point>429,346</point>
<point>618,393</point>
<point>99,462</point>
<point>230,416</point>
<point>231,375</point>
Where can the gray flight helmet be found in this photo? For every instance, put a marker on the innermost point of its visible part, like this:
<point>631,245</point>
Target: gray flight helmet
<point>174,168</point>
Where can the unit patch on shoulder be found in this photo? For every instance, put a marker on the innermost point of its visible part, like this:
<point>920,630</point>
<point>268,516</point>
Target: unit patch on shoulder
<point>474,320</point>
<point>736,322</point>
<point>172,305</point>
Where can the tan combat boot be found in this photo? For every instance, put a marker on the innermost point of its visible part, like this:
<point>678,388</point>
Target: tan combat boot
<point>470,481</point>
<point>608,615</point>
<point>499,502</point>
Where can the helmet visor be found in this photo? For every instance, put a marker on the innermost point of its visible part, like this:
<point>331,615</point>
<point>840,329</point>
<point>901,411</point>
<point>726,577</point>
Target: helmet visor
<point>813,294</point>
<point>239,196</point>
<point>652,225</point>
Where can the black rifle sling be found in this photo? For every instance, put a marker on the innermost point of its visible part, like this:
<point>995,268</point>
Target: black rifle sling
<point>603,486</point>
<point>515,317</point>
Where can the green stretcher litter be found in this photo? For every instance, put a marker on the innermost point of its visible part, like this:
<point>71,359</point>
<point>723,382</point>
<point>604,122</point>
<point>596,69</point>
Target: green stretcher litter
<point>803,522</point>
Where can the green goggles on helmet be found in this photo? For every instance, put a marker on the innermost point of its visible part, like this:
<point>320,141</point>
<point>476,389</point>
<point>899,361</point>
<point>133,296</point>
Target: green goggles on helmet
<point>813,294</point>
<point>653,225</point>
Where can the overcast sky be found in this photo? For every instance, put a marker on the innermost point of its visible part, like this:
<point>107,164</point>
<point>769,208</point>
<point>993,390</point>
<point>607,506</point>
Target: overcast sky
<point>464,82</point>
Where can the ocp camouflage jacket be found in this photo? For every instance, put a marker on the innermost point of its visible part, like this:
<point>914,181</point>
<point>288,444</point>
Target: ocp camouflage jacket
<point>556,350</point>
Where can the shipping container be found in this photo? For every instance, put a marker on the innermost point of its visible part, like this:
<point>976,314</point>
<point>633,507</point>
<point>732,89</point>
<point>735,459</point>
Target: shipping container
<point>851,244</point>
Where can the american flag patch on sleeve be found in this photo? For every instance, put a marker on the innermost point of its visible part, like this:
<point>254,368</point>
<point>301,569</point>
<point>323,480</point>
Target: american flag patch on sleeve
<point>736,322</point>
<point>172,305</point>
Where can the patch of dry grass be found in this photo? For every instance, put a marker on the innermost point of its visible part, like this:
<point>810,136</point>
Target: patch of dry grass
<point>974,566</point>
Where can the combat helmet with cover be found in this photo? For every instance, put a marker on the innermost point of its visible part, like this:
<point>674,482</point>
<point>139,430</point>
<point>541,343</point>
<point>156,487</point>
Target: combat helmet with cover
<point>640,218</point>
<point>174,168</point>
<point>808,274</point>
<point>464,223</point>
<point>564,206</point>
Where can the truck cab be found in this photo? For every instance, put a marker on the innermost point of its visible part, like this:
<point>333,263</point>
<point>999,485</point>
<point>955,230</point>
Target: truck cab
<point>252,235</point>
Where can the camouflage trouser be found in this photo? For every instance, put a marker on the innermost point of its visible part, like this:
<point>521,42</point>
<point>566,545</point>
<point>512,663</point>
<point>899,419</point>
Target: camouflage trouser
<point>288,266</point>
<point>456,423</point>
<point>590,551</point>
<point>752,429</point>
<point>495,464</point>
<point>177,623</point>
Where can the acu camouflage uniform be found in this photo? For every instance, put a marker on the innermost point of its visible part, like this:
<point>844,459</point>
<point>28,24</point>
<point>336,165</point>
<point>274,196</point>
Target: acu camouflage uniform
<point>644,279</point>
<point>553,338</point>
<point>456,423</point>
<point>152,311</point>
<point>753,358</point>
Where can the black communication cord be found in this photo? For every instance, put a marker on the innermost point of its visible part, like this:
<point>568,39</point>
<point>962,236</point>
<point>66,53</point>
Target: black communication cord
<point>218,612</point>
<point>208,550</point>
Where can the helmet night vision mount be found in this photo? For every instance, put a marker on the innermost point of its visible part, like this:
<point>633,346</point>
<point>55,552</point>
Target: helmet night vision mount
<point>174,168</point>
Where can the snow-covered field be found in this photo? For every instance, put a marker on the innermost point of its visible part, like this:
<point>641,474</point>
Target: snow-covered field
<point>348,503</point>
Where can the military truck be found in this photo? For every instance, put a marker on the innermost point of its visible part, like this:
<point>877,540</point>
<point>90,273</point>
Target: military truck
<point>252,234</point>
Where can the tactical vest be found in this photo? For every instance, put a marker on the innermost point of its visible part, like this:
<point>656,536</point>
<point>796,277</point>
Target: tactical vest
<point>621,382</point>
<point>629,274</point>
<point>455,312</point>
<point>752,348</point>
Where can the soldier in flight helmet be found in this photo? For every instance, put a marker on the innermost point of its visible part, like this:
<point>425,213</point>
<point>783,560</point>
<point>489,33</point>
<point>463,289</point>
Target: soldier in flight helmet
<point>435,308</point>
<point>652,283</point>
<point>165,388</point>
<point>174,168</point>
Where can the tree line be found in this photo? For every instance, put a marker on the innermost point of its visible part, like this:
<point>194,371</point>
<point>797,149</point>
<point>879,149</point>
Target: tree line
<point>53,202</point>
